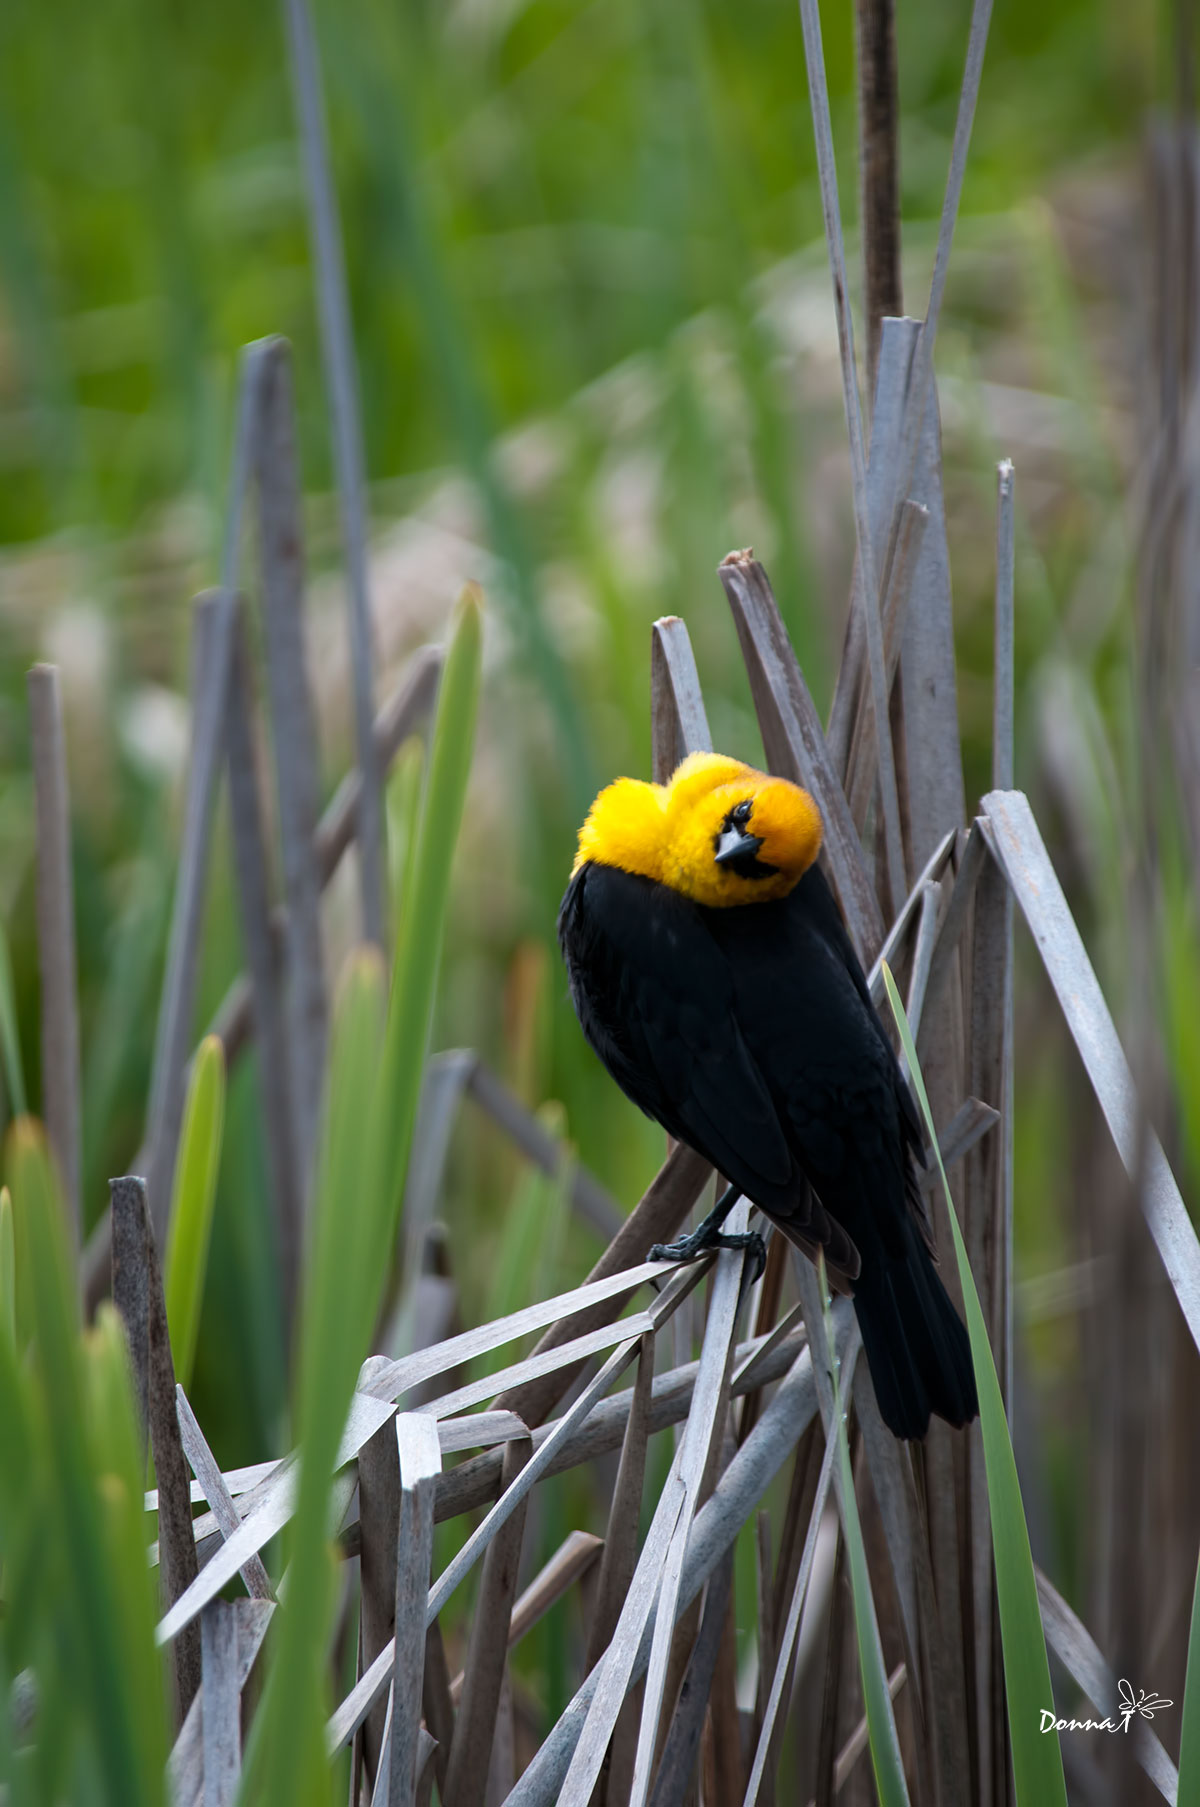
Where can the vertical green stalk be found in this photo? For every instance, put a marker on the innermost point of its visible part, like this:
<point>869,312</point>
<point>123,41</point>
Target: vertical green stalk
<point>403,807</point>
<point>374,1082</point>
<point>426,897</point>
<point>1189,1737</point>
<point>290,1755</point>
<point>108,1645</point>
<point>10,1046</point>
<point>195,1191</point>
<point>8,1270</point>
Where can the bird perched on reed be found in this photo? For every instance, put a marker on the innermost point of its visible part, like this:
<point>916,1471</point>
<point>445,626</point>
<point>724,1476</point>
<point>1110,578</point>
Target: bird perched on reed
<point>713,975</point>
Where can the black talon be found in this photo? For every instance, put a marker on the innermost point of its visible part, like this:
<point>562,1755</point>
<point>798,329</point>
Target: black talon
<point>686,1248</point>
<point>709,1235</point>
<point>705,1236</point>
<point>755,1243</point>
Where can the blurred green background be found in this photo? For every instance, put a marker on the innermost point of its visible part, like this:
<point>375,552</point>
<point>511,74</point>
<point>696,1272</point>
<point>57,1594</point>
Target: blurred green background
<point>596,348</point>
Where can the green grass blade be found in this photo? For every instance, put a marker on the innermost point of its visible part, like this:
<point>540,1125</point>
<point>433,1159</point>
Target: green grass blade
<point>102,1644</point>
<point>10,1045</point>
<point>17,1505</point>
<point>115,1445</point>
<point>8,1270</point>
<point>881,1720</point>
<point>1189,1737</point>
<point>192,1204</point>
<point>426,900</point>
<point>374,1087</point>
<point>402,813</point>
<point>289,1763</point>
<point>1037,1757</point>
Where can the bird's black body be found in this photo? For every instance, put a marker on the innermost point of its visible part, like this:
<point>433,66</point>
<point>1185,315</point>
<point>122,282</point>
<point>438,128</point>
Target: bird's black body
<point>749,1033</point>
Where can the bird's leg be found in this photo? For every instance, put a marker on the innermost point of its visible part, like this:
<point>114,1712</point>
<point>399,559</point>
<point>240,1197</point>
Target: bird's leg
<point>709,1235</point>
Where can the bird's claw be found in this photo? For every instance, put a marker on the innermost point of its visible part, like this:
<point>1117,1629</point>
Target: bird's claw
<point>687,1248</point>
<point>758,1256</point>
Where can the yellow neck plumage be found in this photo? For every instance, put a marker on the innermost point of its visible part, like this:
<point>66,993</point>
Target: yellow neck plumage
<point>671,832</point>
<point>626,827</point>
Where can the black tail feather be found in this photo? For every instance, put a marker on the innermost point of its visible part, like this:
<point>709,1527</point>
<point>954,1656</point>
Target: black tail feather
<point>916,1344</point>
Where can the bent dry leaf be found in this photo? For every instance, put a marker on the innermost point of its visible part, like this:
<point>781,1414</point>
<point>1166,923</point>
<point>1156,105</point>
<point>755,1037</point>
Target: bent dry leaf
<point>784,1420</point>
<point>1037,1759</point>
<point>272,1501</point>
<point>1015,840</point>
<point>367,1690</point>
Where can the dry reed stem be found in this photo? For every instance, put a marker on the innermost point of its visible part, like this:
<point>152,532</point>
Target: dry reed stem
<point>620,1539</point>
<point>265,973</point>
<point>212,1484</point>
<point>185,1768</point>
<point>574,1559</point>
<point>138,1295</point>
<point>592,1201</point>
<point>222,1709</point>
<point>696,1455</point>
<point>878,168</point>
<point>794,742</point>
<point>783,1648</point>
<point>378,1535</point>
<point>483,1674</point>
<point>404,712</point>
<point>697,1698</point>
<point>420,1462</point>
<point>869,589</point>
<point>678,719</point>
<point>297,760</point>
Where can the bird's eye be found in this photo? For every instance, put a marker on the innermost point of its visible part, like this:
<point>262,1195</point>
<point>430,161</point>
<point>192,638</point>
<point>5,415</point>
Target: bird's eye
<point>741,814</point>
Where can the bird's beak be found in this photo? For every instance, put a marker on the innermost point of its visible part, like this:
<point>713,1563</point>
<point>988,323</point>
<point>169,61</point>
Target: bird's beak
<point>734,845</point>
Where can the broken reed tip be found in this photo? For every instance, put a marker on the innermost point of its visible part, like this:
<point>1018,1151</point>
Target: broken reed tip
<point>744,557</point>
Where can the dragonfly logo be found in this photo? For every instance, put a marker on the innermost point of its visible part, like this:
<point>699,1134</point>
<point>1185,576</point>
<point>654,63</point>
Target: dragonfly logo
<point>1142,1705</point>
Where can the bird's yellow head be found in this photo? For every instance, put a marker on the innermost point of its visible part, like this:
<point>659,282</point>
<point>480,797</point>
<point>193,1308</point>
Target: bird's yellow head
<point>718,832</point>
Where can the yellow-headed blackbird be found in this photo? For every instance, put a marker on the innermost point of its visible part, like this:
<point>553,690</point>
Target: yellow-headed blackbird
<point>713,975</point>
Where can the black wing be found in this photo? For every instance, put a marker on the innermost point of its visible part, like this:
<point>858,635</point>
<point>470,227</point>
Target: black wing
<point>657,998</point>
<point>818,901</point>
<point>805,1010</point>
